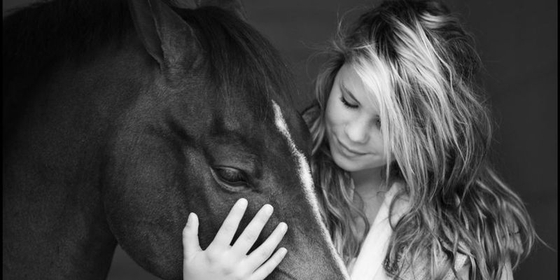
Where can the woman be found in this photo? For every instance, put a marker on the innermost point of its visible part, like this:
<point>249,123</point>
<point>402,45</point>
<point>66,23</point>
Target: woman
<point>401,142</point>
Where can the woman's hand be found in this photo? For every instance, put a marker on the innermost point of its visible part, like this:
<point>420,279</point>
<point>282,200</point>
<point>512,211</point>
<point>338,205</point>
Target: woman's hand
<point>221,260</point>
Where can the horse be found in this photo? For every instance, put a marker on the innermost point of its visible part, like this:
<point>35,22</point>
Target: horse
<point>122,117</point>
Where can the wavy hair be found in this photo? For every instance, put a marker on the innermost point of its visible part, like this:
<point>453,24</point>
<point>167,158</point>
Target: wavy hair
<point>421,66</point>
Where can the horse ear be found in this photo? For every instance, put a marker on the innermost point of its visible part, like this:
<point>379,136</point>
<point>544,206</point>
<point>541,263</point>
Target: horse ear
<point>165,35</point>
<point>234,6</point>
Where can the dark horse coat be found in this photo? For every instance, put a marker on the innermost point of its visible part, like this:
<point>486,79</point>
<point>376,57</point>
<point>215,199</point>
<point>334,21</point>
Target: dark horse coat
<point>120,118</point>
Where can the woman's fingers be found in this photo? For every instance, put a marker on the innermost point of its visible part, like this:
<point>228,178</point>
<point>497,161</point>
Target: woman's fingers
<point>267,268</point>
<point>263,252</point>
<point>229,226</point>
<point>222,261</point>
<point>252,231</point>
<point>190,237</point>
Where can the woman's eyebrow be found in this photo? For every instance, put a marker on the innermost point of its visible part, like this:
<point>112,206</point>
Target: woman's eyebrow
<point>347,92</point>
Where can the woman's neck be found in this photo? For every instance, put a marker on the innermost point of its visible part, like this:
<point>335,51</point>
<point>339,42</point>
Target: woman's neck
<point>369,182</point>
<point>371,187</point>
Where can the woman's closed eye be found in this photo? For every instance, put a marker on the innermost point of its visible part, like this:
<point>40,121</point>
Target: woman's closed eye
<point>348,103</point>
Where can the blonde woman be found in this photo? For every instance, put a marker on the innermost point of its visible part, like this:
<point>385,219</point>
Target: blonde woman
<point>401,141</point>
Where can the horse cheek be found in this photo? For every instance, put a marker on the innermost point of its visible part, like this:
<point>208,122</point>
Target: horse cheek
<point>143,205</point>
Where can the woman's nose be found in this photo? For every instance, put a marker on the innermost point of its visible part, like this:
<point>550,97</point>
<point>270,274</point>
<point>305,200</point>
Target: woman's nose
<point>357,131</point>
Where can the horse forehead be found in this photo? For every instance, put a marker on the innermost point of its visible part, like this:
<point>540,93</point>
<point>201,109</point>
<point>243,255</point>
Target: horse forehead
<point>237,113</point>
<point>302,165</point>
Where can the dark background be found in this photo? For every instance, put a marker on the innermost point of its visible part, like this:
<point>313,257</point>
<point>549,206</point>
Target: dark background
<point>518,43</point>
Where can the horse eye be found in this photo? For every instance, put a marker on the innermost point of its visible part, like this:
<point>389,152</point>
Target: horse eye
<point>231,176</point>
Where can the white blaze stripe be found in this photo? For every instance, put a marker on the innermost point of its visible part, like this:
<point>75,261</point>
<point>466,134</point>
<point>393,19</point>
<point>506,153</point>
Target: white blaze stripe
<point>307,181</point>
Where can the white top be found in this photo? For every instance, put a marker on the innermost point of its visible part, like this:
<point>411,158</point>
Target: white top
<point>369,263</point>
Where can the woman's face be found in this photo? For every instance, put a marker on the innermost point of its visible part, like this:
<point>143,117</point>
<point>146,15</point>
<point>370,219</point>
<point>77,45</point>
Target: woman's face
<point>353,124</point>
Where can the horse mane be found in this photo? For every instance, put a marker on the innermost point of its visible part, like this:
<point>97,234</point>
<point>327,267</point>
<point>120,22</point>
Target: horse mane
<point>38,36</point>
<point>239,55</point>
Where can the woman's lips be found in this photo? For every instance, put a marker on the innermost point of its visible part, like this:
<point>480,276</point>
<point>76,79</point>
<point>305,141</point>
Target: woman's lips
<point>349,151</point>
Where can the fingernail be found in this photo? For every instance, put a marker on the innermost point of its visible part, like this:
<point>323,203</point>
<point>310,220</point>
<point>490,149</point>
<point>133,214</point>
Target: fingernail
<point>189,218</point>
<point>242,202</point>
<point>284,227</point>
<point>283,251</point>
<point>192,218</point>
<point>268,209</point>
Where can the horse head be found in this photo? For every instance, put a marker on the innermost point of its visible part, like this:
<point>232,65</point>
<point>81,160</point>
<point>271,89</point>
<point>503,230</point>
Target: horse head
<point>215,124</point>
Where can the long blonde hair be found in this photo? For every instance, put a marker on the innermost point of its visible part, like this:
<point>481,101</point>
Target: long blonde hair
<point>421,67</point>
